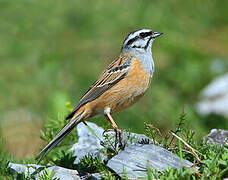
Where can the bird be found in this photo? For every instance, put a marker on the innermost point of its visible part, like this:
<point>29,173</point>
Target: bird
<point>118,87</point>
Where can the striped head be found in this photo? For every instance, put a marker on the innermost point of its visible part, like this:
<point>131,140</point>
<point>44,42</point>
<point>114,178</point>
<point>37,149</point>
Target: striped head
<point>140,41</point>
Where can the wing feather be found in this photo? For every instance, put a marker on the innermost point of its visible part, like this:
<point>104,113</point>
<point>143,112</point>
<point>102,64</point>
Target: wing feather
<point>115,72</point>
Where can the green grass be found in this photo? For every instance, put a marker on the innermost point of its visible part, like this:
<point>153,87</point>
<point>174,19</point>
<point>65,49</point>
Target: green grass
<point>52,51</point>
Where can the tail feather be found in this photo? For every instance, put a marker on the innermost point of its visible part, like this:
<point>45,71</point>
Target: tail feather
<point>59,137</point>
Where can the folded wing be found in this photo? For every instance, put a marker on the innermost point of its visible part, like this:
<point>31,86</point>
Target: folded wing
<point>115,72</point>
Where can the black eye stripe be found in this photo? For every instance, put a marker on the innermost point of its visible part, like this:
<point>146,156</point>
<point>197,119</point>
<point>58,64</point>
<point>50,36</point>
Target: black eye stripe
<point>145,34</point>
<point>132,40</point>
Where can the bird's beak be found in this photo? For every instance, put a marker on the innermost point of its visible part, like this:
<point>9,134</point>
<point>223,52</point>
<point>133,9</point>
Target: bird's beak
<point>156,34</point>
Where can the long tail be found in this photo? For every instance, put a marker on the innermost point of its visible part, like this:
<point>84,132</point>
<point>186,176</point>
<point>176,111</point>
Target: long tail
<point>59,137</point>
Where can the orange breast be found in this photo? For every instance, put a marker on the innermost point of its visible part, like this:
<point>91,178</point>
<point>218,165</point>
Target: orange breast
<point>124,93</point>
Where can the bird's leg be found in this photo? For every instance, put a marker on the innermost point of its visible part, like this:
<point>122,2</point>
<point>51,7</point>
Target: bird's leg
<point>118,132</point>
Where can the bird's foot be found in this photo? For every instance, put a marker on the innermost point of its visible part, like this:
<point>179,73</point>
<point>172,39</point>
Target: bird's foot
<point>118,137</point>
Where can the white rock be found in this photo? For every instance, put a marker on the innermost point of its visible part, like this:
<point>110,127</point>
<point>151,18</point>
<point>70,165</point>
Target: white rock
<point>214,98</point>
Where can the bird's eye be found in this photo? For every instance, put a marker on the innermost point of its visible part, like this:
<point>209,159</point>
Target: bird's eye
<point>145,34</point>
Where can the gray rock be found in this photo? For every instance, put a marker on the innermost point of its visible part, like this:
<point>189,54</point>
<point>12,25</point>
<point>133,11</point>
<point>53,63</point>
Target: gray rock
<point>217,136</point>
<point>135,159</point>
<point>214,97</point>
<point>59,172</point>
<point>87,143</point>
<point>37,171</point>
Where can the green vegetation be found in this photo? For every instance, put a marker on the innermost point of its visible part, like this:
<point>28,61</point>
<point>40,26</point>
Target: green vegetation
<point>52,51</point>
<point>211,159</point>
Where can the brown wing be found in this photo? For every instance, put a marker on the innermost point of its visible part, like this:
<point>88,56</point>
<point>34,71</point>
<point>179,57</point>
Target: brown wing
<point>111,76</point>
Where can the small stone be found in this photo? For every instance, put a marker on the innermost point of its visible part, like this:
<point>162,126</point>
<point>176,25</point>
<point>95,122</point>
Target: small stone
<point>37,171</point>
<point>94,176</point>
<point>217,136</point>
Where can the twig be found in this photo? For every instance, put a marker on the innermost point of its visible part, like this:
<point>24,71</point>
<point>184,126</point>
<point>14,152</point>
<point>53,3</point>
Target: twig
<point>188,146</point>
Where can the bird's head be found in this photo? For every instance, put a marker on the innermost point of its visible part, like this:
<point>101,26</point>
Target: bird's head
<point>140,40</point>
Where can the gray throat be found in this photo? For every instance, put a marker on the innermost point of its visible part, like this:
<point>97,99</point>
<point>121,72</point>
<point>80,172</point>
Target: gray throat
<point>145,56</point>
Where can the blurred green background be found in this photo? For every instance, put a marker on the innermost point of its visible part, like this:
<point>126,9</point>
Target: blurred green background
<point>52,51</point>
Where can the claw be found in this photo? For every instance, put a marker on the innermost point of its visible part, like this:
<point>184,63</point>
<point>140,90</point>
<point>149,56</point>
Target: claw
<point>118,137</point>
<point>108,130</point>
